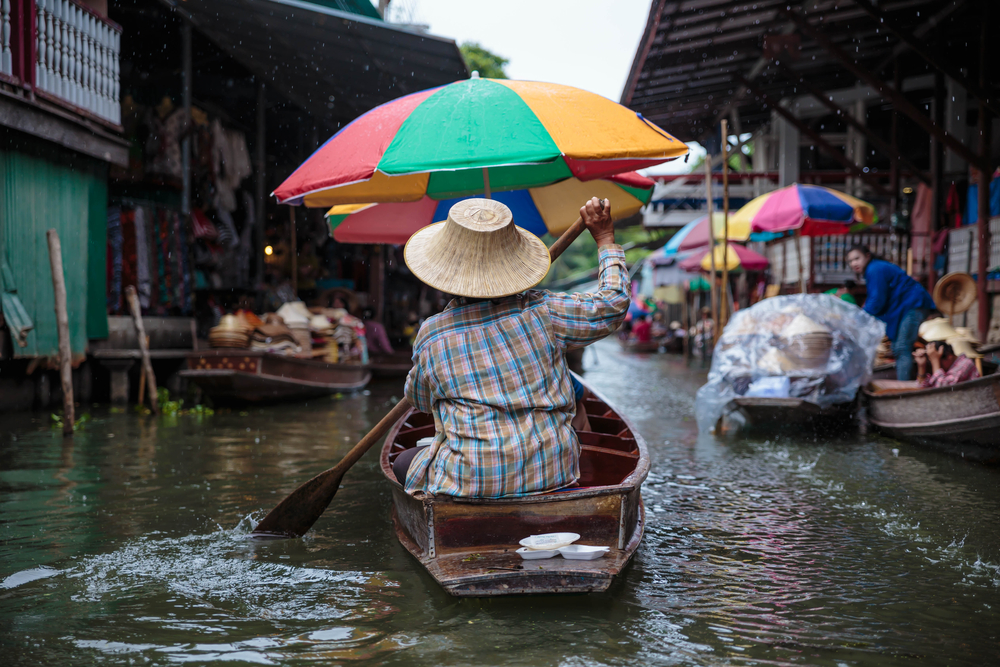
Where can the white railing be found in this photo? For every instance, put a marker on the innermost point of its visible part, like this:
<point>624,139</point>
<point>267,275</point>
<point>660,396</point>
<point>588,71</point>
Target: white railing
<point>6,55</point>
<point>77,58</point>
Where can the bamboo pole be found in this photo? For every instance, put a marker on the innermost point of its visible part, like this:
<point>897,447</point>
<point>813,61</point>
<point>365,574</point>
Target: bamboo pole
<point>487,193</point>
<point>798,249</point>
<point>140,330</point>
<point>711,247</point>
<point>62,328</point>
<point>724,294</point>
<point>295,253</point>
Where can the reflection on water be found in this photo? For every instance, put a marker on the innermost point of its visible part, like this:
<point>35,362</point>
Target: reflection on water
<point>127,545</point>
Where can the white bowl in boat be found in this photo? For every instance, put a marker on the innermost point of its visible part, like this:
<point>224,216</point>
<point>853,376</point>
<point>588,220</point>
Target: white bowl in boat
<point>549,540</point>
<point>535,554</point>
<point>582,552</point>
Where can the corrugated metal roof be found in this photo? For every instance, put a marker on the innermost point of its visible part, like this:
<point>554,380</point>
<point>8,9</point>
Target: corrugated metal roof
<point>335,65</point>
<point>687,71</point>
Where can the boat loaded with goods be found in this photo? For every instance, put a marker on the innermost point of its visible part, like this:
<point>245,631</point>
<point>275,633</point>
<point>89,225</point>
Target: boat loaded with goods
<point>296,352</point>
<point>797,359</point>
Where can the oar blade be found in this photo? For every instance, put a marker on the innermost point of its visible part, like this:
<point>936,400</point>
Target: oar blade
<point>297,513</point>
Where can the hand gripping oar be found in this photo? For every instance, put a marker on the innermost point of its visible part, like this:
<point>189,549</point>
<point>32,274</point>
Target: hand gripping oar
<point>296,514</point>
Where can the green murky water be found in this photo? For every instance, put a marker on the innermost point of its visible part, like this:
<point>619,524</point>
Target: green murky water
<point>126,545</point>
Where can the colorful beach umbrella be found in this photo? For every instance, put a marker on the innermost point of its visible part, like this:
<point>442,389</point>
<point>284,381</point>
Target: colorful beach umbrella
<point>550,209</point>
<point>738,257</point>
<point>474,136</point>
<point>811,210</point>
<point>698,237</point>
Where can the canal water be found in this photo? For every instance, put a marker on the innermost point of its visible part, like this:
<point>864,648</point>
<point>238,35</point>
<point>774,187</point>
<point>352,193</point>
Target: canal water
<point>127,545</point>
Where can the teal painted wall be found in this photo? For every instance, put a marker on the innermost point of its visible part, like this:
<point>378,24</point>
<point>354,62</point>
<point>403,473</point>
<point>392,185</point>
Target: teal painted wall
<point>42,187</point>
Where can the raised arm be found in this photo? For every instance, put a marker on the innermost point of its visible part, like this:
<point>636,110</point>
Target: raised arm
<point>581,319</point>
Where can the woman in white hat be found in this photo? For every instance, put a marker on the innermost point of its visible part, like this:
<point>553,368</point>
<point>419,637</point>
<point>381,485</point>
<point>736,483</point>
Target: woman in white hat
<point>491,367</point>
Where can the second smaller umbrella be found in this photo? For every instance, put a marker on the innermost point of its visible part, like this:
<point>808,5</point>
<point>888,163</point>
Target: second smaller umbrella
<point>739,257</point>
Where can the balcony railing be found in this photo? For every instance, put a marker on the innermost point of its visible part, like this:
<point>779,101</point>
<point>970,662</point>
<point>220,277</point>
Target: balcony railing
<point>62,51</point>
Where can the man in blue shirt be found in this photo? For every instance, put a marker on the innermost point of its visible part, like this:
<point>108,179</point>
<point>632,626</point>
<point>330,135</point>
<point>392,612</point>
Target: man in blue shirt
<point>896,299</point>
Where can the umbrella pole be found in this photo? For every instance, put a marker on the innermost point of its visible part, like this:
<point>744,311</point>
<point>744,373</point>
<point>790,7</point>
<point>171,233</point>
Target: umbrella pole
<point>486,183</point>
<point>294,252</point>
<point>724,299</point>
<point>802,267</point>
<point>711,247</point>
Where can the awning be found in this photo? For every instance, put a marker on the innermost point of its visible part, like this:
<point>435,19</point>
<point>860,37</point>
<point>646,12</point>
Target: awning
<point>335,65</point>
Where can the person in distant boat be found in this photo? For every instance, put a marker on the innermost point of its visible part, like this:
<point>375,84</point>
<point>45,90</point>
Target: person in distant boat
<point>946,353</point>
<point>642,330</point>
<point>844,292</point>
<point>704,332</point>
<point>896,299</point>
<point>946,367</point>
<point>491,368</point>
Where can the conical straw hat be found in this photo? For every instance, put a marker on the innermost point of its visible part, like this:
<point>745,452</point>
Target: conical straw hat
<point>477,252</point>
<point>938,329</point>
<point>954,293</point>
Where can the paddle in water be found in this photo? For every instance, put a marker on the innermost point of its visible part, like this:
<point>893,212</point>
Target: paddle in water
<point>297,513</point>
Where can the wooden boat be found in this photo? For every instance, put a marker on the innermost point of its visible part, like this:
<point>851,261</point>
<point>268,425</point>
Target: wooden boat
<point>248,376</point>
<point>962,418</point>
<point>763,412</point>
<point>468,545</point>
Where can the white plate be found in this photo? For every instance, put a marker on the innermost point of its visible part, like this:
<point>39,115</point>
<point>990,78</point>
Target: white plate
<point>582,552</point>
<point>549,540</point>
<point>535,554</point>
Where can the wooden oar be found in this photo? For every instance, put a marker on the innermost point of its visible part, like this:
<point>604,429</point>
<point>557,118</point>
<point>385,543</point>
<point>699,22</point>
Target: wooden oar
<point>299,511</point>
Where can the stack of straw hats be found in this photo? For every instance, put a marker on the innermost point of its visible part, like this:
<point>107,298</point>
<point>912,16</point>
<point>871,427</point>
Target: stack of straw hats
<point>296,317</point>
<point>960,338</point>
<point>807,342</point>
<point>230,332</point>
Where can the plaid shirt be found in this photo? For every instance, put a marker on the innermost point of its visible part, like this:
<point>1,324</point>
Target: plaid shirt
<point>494,375</point>
<point>963,369</point>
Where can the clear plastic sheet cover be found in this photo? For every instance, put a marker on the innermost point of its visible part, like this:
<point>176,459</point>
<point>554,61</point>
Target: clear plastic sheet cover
<point>789,337</point>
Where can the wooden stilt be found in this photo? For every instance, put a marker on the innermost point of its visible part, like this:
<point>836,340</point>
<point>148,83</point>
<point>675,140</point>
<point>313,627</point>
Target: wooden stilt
<point>62,328</point>
<point>711,247</point>
<point>724,292</point>
<point>140,330</point>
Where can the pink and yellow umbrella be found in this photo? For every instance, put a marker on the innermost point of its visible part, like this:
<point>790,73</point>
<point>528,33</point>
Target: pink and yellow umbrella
<point>547,210</point>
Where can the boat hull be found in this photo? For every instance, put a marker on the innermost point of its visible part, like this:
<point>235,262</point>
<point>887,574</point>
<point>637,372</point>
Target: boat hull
<point>972,410</point>
<point>244,376</point>
<point>635,347</point>
<point>780,412</point>
<point>468,545</point>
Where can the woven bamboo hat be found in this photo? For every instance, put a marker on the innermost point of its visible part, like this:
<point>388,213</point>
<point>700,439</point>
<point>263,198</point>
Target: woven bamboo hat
<point>477,252</point>
<point>955,293</point>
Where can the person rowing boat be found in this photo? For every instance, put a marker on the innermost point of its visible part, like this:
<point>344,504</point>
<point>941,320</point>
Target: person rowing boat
<point>491,367</point>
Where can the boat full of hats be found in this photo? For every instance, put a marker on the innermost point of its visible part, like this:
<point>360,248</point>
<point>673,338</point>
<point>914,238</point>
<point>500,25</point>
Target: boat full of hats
<point>294,353</point>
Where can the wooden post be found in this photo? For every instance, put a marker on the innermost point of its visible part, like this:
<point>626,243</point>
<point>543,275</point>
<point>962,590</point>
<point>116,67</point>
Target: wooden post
<point>985,173</point>
<point>486,183</point>
<point>711,246</point>
<point>687,324</point>
<point>724,292</point>
<point>294,252</point>
<point>140,331</point>
<point>62,327</point>
<point>798,250</point>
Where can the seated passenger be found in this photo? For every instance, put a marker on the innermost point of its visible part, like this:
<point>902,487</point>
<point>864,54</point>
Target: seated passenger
<point>947,368</point>
<point>492,368</point>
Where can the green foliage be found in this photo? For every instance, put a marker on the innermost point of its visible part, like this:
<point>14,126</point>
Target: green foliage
<point>57,421</point>
<point>170,409</point>
<point>488,64</point>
